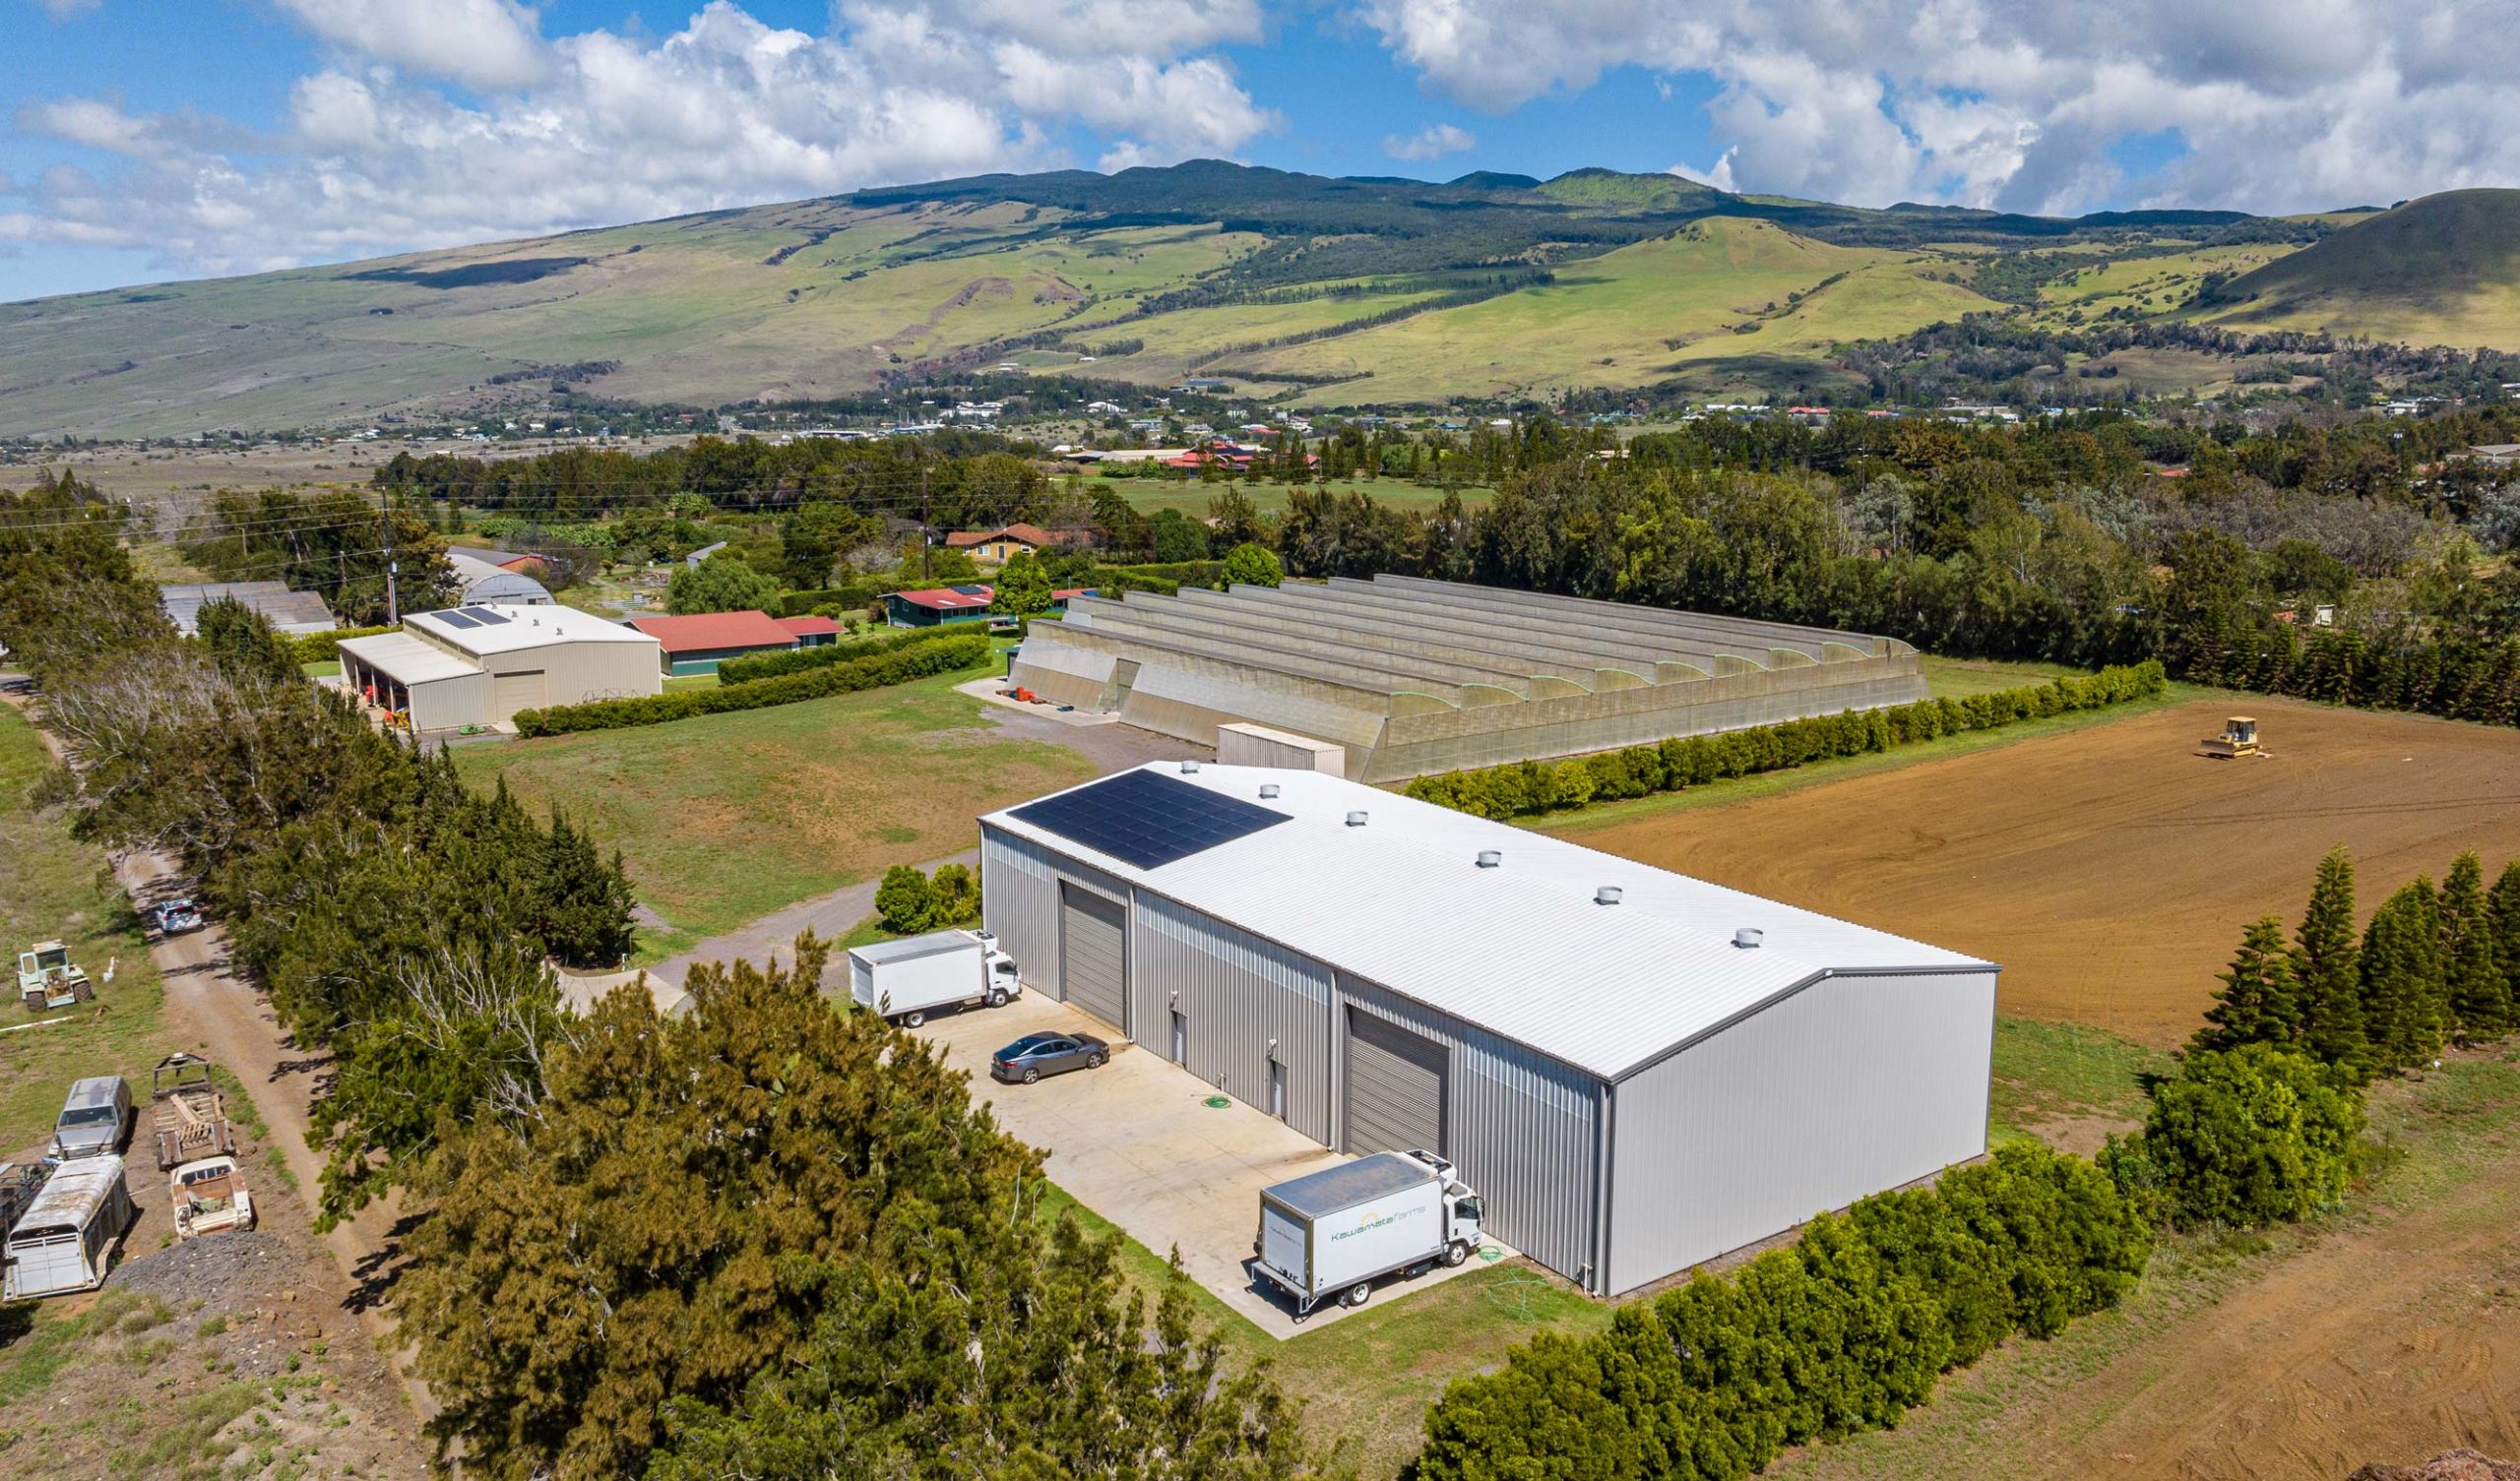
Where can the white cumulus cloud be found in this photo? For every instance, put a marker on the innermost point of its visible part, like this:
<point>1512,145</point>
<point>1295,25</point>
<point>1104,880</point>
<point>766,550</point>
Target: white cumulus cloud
<point>376,153</point>
<point>482,43</point>
<point>1433,141</point>
<point>2283,104</point>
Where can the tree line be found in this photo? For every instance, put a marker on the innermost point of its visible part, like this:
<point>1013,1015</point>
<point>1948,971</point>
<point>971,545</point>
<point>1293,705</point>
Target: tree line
<point>763,1237</point>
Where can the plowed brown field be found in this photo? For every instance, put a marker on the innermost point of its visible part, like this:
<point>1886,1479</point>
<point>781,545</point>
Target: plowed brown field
<point>2108,869</point>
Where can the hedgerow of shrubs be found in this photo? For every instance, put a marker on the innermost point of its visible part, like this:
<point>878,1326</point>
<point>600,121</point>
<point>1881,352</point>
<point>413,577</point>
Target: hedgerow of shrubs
<point>1523,788</point>
<point>909,901</point>
<point>754,668</point>
<point>2256,1136</point>
<point>963,651</point>
<point>1841,1332</point>
<point>319,648</point>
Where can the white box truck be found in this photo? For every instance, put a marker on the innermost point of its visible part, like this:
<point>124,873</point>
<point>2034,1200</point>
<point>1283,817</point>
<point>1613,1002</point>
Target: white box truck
<point>1332,1234</point>
<point>908,979</point>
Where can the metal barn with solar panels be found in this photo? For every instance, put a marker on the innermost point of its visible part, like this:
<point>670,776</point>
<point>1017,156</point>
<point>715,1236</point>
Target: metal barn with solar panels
<point>478,665</point>
<point>1639,1070</point>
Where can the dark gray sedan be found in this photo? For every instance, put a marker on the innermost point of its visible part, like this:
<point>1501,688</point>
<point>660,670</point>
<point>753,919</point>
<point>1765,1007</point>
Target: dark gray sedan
<point>1035,1054</point>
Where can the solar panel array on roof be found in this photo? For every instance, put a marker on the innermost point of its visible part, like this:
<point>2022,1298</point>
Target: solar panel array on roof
<point>972,590</point>
<point>1147,818</point>
<point>455,617</point>
<point>483,615</point>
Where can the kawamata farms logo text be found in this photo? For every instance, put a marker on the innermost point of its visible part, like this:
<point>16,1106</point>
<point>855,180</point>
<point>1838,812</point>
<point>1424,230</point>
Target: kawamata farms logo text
<point>1373,1221</point>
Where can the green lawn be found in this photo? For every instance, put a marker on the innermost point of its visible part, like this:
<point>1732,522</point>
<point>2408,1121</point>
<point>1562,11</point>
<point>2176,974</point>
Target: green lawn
<point>1195,499</point>
<point>1367,1378</point>
<point>1958,678</point>
<point>52,887</point>
<point>725,818</point>
<point>680,682</point>
<point>2048,1074</point>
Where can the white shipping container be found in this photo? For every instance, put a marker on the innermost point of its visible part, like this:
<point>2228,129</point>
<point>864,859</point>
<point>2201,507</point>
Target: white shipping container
<point>905,980</point>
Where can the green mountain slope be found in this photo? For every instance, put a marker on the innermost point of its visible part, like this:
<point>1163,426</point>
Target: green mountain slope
<point>1396,290</point>
<point>2441,270</point>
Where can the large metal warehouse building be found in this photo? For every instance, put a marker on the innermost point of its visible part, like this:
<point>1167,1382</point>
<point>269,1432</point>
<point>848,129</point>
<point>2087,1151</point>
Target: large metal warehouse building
<point>1635,1081</point>
<point>1413,676</point>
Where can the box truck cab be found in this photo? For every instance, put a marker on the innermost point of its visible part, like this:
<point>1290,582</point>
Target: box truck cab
<point>1329,1235</point>
<point>906,981</point>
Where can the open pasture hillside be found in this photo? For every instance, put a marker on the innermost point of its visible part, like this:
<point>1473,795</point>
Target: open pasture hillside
<point>2108,869</point>
<point>2442,269</point>
<point>783,302</point>
<point>1617,319</point>
<point>1592,280</point>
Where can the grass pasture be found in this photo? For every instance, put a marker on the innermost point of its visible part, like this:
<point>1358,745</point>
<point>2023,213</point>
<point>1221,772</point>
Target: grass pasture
<point>52,887</point>
<point>725,818</point>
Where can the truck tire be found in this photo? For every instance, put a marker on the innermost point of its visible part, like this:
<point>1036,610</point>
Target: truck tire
<point>1358,1294</point>
<point>997,997</point>
<point>1457,1252</point>
<point>914,1018</point>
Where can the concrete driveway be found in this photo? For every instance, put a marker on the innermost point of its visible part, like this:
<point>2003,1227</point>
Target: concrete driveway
<point>1137,1142</point>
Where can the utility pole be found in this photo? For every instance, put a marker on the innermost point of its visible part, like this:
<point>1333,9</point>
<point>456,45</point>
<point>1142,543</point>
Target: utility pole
<point>927,539</point>
<point>393,606</point>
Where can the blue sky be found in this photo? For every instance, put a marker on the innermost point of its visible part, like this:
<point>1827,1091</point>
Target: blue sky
<point>142,140</point>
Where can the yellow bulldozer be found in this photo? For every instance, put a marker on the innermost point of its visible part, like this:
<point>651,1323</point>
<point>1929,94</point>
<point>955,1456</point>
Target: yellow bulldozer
<point>2239,738</point>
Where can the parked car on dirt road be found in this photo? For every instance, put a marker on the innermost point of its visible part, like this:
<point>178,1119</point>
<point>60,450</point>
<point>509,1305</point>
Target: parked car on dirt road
<point>177,916</point>
<point>1035,1054</point>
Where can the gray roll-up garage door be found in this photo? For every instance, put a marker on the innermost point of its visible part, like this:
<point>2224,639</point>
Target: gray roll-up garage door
<point>1395,1087</point>
<point>1091,936</point>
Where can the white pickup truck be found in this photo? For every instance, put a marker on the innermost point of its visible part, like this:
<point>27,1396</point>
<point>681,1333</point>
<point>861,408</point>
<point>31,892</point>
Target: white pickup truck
<point>908,979</point>
<point>1333,1233</point>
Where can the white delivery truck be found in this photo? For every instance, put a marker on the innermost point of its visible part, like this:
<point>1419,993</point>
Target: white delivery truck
<point>1333,1233</point>
<point>908,979</point>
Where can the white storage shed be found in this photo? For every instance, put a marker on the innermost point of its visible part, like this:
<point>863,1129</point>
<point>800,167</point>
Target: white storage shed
<point>1640,1071</point>
<point>478,665</point>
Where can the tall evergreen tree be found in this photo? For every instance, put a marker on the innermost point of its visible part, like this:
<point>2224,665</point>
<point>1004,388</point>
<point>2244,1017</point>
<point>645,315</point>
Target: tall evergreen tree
<point>2478,993</point>
<point>2259,1001</point>
<point>2324,969</point>
<point>2402,978</point>
<point>2503,914</point>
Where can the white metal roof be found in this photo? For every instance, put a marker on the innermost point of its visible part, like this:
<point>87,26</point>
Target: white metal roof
<point>407,658</point>
<point>1521,950</point>
<point>524,627</point>
<point>73,1194</point>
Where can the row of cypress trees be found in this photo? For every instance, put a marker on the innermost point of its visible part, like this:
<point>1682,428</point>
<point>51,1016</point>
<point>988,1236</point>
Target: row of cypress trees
<point>2437,964</point>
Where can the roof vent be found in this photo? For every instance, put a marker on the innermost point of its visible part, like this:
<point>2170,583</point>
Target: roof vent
<point>1489,858</point>
<point>1356,819</point>
<point>1748,937</point>
<point>1607,895</point>
<point>1268,789</point>
<point>1188,766</point>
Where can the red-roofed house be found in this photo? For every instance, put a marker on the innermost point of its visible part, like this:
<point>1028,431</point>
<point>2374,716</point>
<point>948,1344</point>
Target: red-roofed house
<point>996,547</point>
<point>968,602</point>
<point>698,643</point>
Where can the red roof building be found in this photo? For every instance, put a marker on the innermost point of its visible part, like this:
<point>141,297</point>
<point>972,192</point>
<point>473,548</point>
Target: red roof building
<point>698,643</point>
<point>998,546</point>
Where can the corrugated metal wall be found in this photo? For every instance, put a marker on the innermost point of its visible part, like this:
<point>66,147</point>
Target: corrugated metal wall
<point>1519,1128</point>
<point>1020,901</point>
<point>1519,1125</point>
<point>1852,1085</point>
<point>1237,992</point>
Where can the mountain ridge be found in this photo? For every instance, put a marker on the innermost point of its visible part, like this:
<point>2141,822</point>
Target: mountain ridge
<point>1311,289</point>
